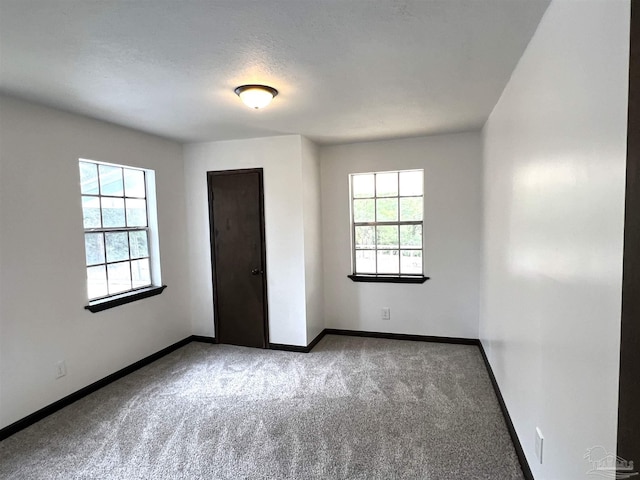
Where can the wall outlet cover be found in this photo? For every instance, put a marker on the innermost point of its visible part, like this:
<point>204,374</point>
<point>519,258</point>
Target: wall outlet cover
<point>61,369</point>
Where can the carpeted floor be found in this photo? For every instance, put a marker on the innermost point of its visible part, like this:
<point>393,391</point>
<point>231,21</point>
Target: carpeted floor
<point>353,408</point>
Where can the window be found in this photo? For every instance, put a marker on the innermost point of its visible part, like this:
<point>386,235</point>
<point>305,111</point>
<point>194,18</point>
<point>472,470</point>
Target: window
<point>387,226</point>
<point>117,235</point>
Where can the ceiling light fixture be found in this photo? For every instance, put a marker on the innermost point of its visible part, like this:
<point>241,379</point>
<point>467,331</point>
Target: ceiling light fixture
<point>256,96</point>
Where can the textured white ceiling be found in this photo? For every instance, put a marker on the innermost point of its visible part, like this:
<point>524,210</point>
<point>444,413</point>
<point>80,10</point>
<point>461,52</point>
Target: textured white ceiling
<point>347,70</point>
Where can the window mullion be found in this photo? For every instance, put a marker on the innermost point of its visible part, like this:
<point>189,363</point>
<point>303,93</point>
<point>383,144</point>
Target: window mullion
<point>383,224</point>
<point>126,213</point>
<point>115,229</point>
<point>95,195</point>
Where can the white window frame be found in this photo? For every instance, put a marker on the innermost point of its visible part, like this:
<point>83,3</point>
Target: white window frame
<point>376,276</point>
<point>154,287</point>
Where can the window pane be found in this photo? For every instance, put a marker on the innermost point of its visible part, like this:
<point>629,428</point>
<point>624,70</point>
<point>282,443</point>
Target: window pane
<point>96,282</point>
<point>365,237</point>
<point>113,212</point>
<point>119,277</point>
<point>138,244</point>
<point>134,183</point>
<point>387,236</point>
<point>111,180</point>
<point>94,248</point>
<point>411,183</point>
<point>411,208</point>
<point>91,212</point>
<point>387,210</point>
<point>365,261</point>
<point>363,211</point>
<point>388,261</point>
<point>140,274</point>
<point>411,262</point>
<point>136,213</point>
<point>411,236</point>
<point>89,178</point>
<point>387,184</point>
<point>363,186</point>
<point>117,246</point>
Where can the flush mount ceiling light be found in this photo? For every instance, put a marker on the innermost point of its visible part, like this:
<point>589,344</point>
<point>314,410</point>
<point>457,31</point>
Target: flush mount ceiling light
<point>256,96</point>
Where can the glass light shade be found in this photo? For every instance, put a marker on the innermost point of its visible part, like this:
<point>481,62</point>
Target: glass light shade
<point>256,96</point>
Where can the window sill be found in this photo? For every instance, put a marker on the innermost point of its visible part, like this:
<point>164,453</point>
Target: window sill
<point>388,278</point>
<point>111,302</point>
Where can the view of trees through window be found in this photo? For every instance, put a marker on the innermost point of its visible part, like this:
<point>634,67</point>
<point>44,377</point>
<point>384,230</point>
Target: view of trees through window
<point>114,207</point>
<point>387,222</point>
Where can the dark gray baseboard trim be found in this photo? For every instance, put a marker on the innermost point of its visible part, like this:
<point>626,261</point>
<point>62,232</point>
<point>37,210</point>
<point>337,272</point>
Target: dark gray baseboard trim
<point>402,336</point>
<point>360,333</point>
<point>315,341</point>
<point>83,392</point>
<point>203,339</point>
<point>297,348</point>
<point>526,470</point>
<point>288,348</point>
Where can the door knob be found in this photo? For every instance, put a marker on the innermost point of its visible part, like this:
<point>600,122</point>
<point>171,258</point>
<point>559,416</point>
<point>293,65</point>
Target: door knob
<point>256,271</point>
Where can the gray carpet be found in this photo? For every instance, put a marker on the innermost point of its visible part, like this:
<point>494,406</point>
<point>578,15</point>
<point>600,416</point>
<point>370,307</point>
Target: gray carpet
<point>353,408</point>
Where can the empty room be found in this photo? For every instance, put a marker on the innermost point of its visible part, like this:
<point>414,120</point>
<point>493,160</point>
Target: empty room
<point>320,239</point>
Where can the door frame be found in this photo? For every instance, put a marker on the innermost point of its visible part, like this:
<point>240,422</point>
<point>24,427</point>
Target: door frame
<point>628,441</point>
<point>214,271</point>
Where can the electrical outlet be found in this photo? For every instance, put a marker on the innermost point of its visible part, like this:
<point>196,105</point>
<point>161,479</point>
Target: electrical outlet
<point>539,444</point>
<point>61,369</point>
<point>386,313</point>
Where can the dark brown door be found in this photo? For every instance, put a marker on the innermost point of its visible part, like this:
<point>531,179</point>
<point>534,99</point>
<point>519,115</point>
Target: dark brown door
<point>238,257</point>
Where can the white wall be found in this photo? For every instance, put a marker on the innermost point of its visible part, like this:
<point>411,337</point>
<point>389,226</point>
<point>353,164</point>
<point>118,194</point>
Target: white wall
<point>446,305</point>
<point>312,220</point>
<point>280,157</point>
<point>42,319</point>
<point>554,157</point>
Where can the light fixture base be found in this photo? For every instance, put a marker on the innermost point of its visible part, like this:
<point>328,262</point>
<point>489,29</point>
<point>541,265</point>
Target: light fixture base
<point>256,96</point>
